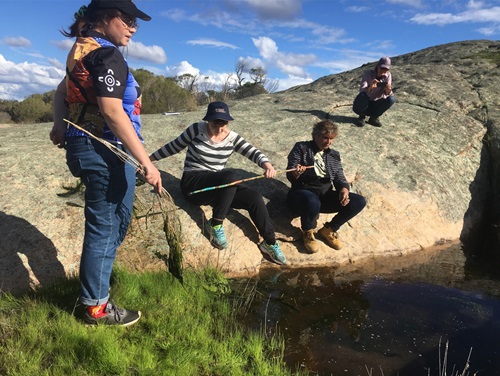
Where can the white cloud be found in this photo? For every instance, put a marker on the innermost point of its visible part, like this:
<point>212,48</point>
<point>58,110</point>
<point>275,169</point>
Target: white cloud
<point>211,42</point>
<point>17,81</point>
<point>64,44</point>
<point>474,15</point>
<point>274,9</point>
<point>412,3</point>
<point>489,30</point>
<point>183,68</point>
<point>286,83</point>
<point>475,4</point>
<point>139,51</point>
<point>290,64</point>
<point>56,63</point>
<point>357,9</point>
<point>16,42</point>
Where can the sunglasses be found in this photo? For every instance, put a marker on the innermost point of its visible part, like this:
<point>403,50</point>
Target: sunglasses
<point>130,23</point>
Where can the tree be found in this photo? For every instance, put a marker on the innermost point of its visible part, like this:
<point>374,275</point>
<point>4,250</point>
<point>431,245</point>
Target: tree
<point>188,82</point>
<point>162,94</point>
<point>37,108</point>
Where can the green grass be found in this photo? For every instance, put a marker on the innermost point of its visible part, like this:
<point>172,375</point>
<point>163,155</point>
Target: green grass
<point>492,56</point>
<point>188,329</point>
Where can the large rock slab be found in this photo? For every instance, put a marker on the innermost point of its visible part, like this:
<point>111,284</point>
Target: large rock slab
<point>426,174</point>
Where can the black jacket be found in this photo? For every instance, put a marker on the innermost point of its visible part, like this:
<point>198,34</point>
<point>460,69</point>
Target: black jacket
<point>303,153</point>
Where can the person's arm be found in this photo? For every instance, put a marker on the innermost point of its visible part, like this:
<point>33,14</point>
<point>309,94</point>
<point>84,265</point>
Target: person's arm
<point>60,111</point>
<point>294,161</point>
<point>121,126</point>
<point>242,147</point>
<point>388,87</point>
<point>176,145</point>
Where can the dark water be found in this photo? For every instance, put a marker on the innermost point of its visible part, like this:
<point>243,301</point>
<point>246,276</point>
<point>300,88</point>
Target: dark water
<point>390,316</point>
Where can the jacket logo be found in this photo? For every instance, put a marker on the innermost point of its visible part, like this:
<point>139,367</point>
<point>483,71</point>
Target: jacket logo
<point>110,80</point>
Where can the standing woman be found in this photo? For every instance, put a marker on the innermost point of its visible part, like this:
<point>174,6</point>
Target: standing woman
<point>100,94</point>
<point>210,143</point>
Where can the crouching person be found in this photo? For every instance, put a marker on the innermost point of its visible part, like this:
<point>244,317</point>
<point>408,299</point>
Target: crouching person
<point>322,189</point>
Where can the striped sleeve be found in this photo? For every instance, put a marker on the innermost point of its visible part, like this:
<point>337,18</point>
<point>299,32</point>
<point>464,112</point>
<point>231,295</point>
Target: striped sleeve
<point>176,145</point>
<point>244,148</point>
<point>335,170</point>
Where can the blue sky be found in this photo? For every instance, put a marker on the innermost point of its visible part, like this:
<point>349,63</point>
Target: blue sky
<point>295,41</point>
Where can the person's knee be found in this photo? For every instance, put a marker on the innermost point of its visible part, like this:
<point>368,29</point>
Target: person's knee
<point>357,201</point>
<point>227,176</point>
<point>390,101</point>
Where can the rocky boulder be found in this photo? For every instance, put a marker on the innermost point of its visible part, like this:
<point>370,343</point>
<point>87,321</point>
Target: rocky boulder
<point>429,174</point>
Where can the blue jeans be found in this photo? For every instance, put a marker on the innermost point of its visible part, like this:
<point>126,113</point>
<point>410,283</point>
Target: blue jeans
<point>378,107</point>
<point>308,205</point>
<point>109,197</point>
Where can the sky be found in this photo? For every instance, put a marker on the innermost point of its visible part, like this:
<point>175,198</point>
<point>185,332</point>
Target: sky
<point>294,41</point>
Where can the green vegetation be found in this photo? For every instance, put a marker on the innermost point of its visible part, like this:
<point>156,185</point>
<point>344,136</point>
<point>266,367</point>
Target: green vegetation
<point>492,56</point>
<point>159,94</point>
<point>187,329</point>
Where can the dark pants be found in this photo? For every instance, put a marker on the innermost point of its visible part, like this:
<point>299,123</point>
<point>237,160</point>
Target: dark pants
<point>308,205</point>
<point>377,108</point>
<point>223,199</point>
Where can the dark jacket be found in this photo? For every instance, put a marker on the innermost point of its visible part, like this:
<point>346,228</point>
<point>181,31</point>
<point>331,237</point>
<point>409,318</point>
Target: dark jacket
<point>303,153</point>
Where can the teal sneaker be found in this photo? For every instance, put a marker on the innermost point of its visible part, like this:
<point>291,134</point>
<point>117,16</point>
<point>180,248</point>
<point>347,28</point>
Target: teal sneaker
<point>273,251</point>
<point>216,235</point>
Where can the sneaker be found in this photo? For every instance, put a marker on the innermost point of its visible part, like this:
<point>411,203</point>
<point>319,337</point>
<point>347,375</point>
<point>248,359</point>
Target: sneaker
<point>216,235</point>
<point>361,121</point>
<point>273,251</point>
<point>374,121</point>
<point>113,315</point>
<point>310,242</point>
<point>330,237</point>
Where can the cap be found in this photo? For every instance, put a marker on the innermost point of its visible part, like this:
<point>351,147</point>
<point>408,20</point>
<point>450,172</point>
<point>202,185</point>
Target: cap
<point>217,110</point>
<point>384,62</point>
<point>126,6</point>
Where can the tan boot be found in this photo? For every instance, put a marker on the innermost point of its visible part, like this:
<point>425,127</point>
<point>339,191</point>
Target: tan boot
<point>330,237</point>
<point>310,242</point>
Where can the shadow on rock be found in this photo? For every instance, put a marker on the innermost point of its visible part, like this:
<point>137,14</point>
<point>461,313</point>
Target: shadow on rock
<point>26,255</point>
<point>325,115</point>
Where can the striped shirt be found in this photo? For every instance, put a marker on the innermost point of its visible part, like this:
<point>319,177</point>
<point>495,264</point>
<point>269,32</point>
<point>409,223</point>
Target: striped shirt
<point>203,154</point>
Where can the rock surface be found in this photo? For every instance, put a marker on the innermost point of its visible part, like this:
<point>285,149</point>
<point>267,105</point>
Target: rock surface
<point>428,175</point>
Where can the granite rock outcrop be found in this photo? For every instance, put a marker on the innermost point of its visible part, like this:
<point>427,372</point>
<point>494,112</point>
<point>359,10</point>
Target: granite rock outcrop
<point>430,174</point>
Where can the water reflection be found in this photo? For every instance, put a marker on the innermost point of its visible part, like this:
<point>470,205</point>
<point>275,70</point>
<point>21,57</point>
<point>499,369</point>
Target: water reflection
<point>387,316</point>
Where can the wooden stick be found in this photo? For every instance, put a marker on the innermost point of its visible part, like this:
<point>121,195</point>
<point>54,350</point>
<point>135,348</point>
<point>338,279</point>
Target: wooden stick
<point>125,157</point>
<point>239,181</point>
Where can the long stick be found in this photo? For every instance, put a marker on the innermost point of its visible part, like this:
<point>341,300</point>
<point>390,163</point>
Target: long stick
<point>238,182</point>
<point>119,153</point>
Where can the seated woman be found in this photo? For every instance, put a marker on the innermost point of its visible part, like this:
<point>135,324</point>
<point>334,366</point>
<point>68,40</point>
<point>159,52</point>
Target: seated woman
<point>312,190</point>
<point>210,143</point>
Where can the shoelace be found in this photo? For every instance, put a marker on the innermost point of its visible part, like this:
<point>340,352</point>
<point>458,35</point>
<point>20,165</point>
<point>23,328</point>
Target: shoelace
<point>219,234</point>
<point>309,236</point>
<point>118,312</point>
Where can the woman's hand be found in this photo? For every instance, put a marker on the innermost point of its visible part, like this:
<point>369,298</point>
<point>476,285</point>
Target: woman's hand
<point>269,172</point>
<point>153,176</point>
<point>57,134</point>
<point>344,196</point>
<point>299,170</point>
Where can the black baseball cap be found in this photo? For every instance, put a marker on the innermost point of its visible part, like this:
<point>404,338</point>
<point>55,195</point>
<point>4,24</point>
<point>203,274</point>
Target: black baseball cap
<point>126,6</point>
